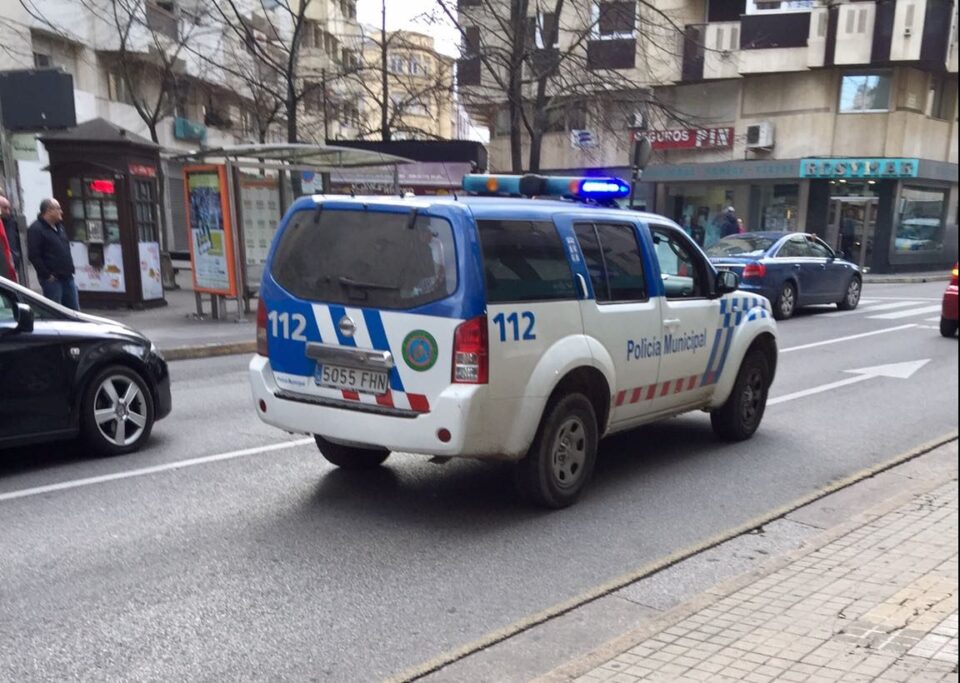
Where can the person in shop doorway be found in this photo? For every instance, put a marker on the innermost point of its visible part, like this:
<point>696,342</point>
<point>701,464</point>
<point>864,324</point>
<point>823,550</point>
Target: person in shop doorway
<point>697,231</point>
<point>48,249</point>
<point>741,228</point>
<point>13,231</point>
<point>7,268</point>
<point>848,234</point>
<point>729,224</point>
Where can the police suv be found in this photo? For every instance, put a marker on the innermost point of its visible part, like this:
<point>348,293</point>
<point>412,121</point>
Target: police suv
<point>500,326</point>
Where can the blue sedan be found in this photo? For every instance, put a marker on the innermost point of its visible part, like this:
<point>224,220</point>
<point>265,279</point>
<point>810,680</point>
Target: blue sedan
<point>791,269</point>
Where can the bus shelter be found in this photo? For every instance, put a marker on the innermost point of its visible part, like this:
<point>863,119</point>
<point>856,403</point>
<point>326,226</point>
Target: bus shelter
<point>235,197</point>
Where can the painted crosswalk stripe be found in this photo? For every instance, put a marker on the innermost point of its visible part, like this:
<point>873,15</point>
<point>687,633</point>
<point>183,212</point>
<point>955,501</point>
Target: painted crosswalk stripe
<point>934,319</point>
<point>872,309</point>
<point>896,315</point>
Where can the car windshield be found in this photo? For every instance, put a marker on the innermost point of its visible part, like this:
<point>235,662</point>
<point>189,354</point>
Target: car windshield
<point>741,245</point>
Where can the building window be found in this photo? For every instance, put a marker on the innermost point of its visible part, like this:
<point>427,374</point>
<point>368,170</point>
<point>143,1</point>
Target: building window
<point>162,18</point>
<point>920,215</point>
<point>117,89</point>
<point>614,20</point>
<point>860,93</point>
<point>42,60</point>
<point>941,97</point>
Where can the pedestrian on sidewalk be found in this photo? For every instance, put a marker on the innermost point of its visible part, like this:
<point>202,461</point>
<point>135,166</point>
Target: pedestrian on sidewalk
<point>13,231</point>
<point>48,248</point>
<point>7,267</point>
<point>728,224</point>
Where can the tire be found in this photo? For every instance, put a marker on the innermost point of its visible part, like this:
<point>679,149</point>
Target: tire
<point>350,457</point>
<point>786,304</point>
<point>117,412</point>
<point>740,416</point>
<point>948,328</point>
<point>851,298</point>
<point>561,459</point>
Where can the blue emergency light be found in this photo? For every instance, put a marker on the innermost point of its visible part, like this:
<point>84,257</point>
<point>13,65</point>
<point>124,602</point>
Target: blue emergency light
<point>600,190</point>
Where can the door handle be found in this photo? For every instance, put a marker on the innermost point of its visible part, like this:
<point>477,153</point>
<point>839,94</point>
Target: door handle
<point>584,294</point>
<point>796,266</point>
<point>672,322</point>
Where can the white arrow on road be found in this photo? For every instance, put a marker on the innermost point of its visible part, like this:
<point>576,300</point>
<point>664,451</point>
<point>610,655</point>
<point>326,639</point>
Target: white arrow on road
<point>895,370</point>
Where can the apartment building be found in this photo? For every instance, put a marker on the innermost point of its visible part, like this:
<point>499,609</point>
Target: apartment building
<point>419,100</point>
<point>835,117</point>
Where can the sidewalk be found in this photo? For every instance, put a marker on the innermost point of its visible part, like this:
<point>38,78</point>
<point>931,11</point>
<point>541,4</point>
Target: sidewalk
<point>874,598</point>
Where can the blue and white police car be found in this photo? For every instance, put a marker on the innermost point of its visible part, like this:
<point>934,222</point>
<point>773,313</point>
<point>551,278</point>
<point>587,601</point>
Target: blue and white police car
<point>500,325</point>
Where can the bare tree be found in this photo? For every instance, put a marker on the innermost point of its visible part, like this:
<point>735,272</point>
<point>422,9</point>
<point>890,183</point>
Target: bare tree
<point>542,60</point>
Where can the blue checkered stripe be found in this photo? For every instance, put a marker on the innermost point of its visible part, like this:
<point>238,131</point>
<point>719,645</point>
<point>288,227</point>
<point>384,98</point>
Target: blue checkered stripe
<point>732,312</point>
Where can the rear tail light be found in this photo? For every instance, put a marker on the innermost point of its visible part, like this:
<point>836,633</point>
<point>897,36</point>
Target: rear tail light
<point>754,270</point>
<point>470,355</point>
<point>953,276</point>
<point>262,346</point>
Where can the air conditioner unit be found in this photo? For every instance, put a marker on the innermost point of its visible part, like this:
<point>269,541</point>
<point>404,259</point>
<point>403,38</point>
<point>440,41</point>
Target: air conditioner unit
<point>760,135</point>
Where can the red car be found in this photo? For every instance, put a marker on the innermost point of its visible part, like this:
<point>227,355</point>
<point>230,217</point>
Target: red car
<point>948,315</point>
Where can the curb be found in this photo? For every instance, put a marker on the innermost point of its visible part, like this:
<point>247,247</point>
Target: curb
<point>209,350</point>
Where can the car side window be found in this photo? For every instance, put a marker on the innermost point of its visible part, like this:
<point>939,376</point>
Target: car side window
<point>613,259</point>
<point>8,307</point>
<point>524,261</point>
<point>680,269</point>
<point>793,248</point>
<point>817,249</point>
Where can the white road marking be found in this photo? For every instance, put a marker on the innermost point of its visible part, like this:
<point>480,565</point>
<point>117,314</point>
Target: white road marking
<point>89,481</point>
<point>904,298</point>
<point>872,309</point>
<point>932,320</point>
<point>837,340</point>
<point>905,314</point>
<point>895,370</point>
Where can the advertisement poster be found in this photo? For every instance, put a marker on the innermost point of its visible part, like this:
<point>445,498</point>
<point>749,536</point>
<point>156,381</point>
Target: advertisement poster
<point>150,271</point>
<point>107,279</point>
<point>210,238</point>
<point>260,199</point>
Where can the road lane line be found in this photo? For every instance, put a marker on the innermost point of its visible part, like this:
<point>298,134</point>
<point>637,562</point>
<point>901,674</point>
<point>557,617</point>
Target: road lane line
<point>847,338</point>
<point>89,481</point>
<point>904,298</point>
<point>526,623</point>
<point>906,314</point>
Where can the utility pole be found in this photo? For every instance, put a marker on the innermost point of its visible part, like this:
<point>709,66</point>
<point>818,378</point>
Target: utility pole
<point>384,86</point>
<point>326,111</point>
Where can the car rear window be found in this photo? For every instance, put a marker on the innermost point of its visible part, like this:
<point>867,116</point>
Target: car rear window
<point>741,245</point>
<point>524,261</point>
<point>366,258</point>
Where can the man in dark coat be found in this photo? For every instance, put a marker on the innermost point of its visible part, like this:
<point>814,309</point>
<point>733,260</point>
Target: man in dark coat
<point>48,248</point>
<point>729,225</point>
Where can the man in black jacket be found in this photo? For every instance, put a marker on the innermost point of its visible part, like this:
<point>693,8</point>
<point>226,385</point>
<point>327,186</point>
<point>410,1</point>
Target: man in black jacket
<point>48,248</point>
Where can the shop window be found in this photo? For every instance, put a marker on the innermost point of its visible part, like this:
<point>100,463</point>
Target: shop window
<point>145,210</point>
<point>865,93</point>
<point>920,213</point>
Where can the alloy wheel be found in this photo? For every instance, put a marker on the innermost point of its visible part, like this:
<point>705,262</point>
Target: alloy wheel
<point>120,410</point>
<point>787,302</point>
<point>569,452</point>
<point>753,393</point>
<point>853,293</point>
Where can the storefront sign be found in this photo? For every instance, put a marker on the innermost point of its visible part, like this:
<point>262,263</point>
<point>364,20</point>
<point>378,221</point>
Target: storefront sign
<point>859,168</point>
<point>142,170</point>
<point>692,138</point>
<point>211,232</point>
<point>727,170</point>
<point>24,146</point>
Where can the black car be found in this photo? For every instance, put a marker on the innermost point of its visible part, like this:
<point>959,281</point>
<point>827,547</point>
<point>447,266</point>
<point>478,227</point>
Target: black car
<point>65,374</point>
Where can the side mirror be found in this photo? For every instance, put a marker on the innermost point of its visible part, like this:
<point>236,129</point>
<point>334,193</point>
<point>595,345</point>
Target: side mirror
<point>24,316</point>
<point>727,282</point>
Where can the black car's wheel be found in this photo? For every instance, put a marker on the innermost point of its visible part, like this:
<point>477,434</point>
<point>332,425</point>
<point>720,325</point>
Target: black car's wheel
<point>851,298</point>
<point>786,304</point>
<point>561,459</point>
<point>350,457</point>
<point>117,411</point>
<point>948,328</point>
<point>739,417</point>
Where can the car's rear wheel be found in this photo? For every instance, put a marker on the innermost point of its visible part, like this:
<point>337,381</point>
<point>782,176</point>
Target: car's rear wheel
<point>948,328</point>
<point>561,459</point>
<point>117,412</point>
<point>786,304</point>
<point>739,417</point>
<point>350,457</point>
<point>851,297</point>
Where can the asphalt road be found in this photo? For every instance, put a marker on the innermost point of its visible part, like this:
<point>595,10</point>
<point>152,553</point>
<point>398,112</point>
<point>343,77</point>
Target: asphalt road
<point>272,564</point>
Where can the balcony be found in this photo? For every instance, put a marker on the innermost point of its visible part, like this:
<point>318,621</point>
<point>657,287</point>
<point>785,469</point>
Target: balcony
<point>620,53</point>
<point>782,42</point>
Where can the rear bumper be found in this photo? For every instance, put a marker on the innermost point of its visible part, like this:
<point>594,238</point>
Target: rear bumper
<point>460,409</point>
<point>761,289</point>
<point>949,309</point>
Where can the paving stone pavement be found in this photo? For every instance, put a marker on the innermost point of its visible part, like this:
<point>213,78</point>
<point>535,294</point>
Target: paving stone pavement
<point>876,602</point>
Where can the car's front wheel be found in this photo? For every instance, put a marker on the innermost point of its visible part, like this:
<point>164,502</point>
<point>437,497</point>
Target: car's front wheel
<point>350,457</point>
<point>561,459</point>
<point>948,328</point>
<point>786,304</point>
<point>739,417</point>
<point>117,412</point>
<point>851,297</point>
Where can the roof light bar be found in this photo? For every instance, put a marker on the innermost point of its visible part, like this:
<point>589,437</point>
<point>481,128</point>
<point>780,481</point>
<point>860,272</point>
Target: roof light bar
<point>601,190</point>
